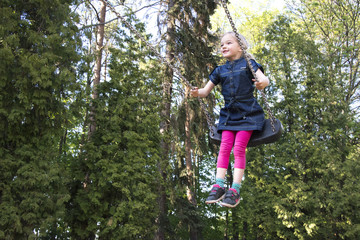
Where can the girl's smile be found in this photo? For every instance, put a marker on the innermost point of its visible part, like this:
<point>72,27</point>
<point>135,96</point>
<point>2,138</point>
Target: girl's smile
<point>230,47</point>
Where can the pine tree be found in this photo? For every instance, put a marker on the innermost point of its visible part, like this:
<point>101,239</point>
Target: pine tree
<point>191,47</point>
<point>119,200</point>
<point>38,52</point>
<point>304,176</point>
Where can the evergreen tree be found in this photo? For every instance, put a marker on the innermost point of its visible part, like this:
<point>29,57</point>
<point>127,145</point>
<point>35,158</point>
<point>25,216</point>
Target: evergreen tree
<point>193,48</point>
<point>38,43</point>
<point>119,200</point>
<point>306,174</point>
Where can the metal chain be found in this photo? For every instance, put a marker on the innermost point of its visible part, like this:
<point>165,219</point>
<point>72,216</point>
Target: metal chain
<point>209,119</point>
<point>248,58</point>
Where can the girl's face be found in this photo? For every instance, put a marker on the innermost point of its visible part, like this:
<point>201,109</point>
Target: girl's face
<point>230,47</point>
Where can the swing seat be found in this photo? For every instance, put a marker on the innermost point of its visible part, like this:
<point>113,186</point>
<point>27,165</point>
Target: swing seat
<point>215,137</point>
<point>265,136</point>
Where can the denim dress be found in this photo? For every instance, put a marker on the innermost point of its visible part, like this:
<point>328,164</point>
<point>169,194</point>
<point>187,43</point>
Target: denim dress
<point>241,112</point>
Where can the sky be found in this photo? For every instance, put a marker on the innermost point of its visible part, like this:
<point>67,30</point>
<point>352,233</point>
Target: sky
<point>149,15</point>
<point>276,4</point>
<point>241,10</point>
<point>261,4</point>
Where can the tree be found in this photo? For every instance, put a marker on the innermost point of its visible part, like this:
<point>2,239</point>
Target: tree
<point>38,51</point>
<point>119,201</point>
<point>194,49</point>
<point>327,119</point>
<point>98,65</point>
<point>163,163</point>
<point>336,24</point>
<point>302,175</point>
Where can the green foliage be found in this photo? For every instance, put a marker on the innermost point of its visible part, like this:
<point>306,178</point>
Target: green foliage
<point>57,184</point>
<point>115,187</point>
<point>193,46</point>
<point>305,175</point>
<point>38,44</point>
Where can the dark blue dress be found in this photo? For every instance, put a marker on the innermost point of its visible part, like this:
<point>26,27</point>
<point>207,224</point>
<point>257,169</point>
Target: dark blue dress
<point>241,112</point>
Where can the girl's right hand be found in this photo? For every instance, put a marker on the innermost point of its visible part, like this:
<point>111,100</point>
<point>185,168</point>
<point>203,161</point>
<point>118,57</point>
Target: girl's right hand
<point>194,92</point>
<point>202,92</point>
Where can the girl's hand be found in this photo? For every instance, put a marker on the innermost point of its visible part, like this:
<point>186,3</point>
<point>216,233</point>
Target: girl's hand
<point>262,83</point>
<point>202,92</point>
<point>263,80</point>
<point>194,92</point>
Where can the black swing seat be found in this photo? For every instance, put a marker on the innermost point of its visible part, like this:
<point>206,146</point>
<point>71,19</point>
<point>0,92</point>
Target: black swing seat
<point>265,136</point>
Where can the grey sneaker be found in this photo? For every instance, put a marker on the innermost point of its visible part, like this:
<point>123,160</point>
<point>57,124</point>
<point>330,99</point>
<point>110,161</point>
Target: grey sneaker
<point>232,199</point>
<point>217,194</point>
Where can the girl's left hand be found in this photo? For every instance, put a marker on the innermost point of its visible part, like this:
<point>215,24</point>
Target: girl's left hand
<point>262,83</point>
<point>263,80</point>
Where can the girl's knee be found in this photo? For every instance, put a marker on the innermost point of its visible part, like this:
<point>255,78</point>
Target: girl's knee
<point>226,146</point>
<point>240,147</point>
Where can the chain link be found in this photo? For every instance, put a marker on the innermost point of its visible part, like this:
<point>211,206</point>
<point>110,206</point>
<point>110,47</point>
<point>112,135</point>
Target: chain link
<point>209,119</point>
<point>248,58</point>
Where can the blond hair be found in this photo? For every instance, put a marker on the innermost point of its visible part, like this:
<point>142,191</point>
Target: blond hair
<point>245,44</point>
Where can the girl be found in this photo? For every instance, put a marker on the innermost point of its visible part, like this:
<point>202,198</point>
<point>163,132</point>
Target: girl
<point>238,119</point>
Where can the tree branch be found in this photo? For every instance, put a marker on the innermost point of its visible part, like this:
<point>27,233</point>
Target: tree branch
<point>97,14</point>
<point>151,5</point>
<point>97,24</point>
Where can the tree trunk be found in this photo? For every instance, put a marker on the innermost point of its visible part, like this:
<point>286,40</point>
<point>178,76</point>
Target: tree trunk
<point>97,70</point>
<point>95,94</point>
<point>236,225</point>
<point>164,127</point>
<point>189,168</point>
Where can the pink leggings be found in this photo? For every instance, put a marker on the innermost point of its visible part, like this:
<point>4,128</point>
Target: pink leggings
<point>241,139</point>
